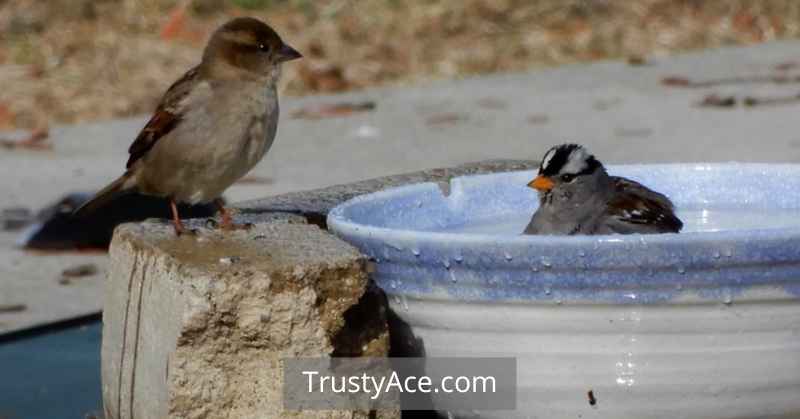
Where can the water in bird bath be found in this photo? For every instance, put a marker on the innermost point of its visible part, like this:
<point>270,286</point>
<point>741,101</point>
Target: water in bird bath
<point>705,220</point>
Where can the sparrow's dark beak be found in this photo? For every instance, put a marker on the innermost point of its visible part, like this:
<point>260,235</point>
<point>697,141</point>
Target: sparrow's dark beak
<point>288,53</point>
<point>541,183</point>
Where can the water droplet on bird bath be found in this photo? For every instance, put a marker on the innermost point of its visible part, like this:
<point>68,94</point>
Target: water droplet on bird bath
<point>727,299</point>
<point>728,253</point>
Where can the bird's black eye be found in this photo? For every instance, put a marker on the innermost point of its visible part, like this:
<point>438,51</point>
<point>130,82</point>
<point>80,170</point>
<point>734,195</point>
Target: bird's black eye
<point>566,177</point>
<point>263,47</point>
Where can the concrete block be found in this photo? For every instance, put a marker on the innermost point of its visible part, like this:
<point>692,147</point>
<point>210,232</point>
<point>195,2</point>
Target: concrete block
<point>195,326</point>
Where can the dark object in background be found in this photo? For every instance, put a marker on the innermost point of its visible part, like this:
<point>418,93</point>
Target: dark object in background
<point>15,218</point>
<point>56,229</point>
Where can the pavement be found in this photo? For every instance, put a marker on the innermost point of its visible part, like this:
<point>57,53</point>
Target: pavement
<point>623,113</point>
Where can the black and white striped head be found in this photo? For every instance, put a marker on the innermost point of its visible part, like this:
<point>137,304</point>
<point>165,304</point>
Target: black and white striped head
<point>565,164</point>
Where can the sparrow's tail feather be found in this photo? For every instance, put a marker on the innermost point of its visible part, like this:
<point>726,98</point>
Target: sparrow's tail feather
<point>122,186</point>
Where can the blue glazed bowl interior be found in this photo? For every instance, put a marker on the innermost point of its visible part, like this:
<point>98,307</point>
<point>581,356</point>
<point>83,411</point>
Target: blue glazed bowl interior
<point>742,229</point>
<point>708,197</point>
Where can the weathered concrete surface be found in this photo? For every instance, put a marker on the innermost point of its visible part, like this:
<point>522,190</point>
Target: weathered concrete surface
<point>195,326</point>
<point>315,204</point>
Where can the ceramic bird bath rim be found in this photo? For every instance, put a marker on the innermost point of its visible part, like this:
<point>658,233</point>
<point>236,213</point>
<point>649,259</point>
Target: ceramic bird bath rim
<point>408,226</point>
<point>700,324</point>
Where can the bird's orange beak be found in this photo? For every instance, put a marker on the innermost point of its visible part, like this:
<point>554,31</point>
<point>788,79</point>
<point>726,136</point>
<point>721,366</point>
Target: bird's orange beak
<point>541,183</point>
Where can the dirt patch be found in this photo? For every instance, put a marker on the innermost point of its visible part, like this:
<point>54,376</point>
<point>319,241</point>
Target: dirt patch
<point>66,61</point>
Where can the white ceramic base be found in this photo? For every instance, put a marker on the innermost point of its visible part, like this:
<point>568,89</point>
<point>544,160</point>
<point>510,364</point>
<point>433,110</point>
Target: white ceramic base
<point>673,361</point>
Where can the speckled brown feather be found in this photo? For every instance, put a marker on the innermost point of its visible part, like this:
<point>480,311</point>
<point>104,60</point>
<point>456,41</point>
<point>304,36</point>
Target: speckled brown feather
<point>164,119</point>
<point>634,203</point>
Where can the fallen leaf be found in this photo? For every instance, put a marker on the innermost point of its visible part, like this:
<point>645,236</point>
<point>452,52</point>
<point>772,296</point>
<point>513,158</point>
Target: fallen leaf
<point>770,100</point>
<point>69,275</point>
<point>87,269</point>
<point>445,119</point>
<point>255,180</point>
<point>13,308</point>
<point>37,140</point>
<point>786,66</point>
<point>684,82</point>
<point>716,101</point>
<point>538,119</point>
<point>606,104</point>
<point>492,103</point>
<point>637,61</point>
<point>676,81</point>
<point>332,110</point>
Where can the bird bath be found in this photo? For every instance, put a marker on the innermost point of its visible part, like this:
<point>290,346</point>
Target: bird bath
<point>701,324</point>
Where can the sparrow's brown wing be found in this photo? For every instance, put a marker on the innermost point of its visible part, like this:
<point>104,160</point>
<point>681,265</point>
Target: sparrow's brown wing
<point>167,115</point>
<point>636,208</point>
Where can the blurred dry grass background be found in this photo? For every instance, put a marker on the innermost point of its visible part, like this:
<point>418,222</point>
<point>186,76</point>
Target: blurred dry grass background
<point>65,61</point>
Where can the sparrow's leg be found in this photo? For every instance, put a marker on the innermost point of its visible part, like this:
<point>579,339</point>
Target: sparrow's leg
<point>176,219</point>
<point>227,220</point>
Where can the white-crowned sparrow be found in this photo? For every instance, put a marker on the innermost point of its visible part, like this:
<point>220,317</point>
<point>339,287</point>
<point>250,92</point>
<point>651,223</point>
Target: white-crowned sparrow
<point>577,196</point>
<point>212,125</point>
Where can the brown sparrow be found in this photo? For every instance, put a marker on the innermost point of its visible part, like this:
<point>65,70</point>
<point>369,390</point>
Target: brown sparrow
<point>577,196</point>
<point>212,125</point>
